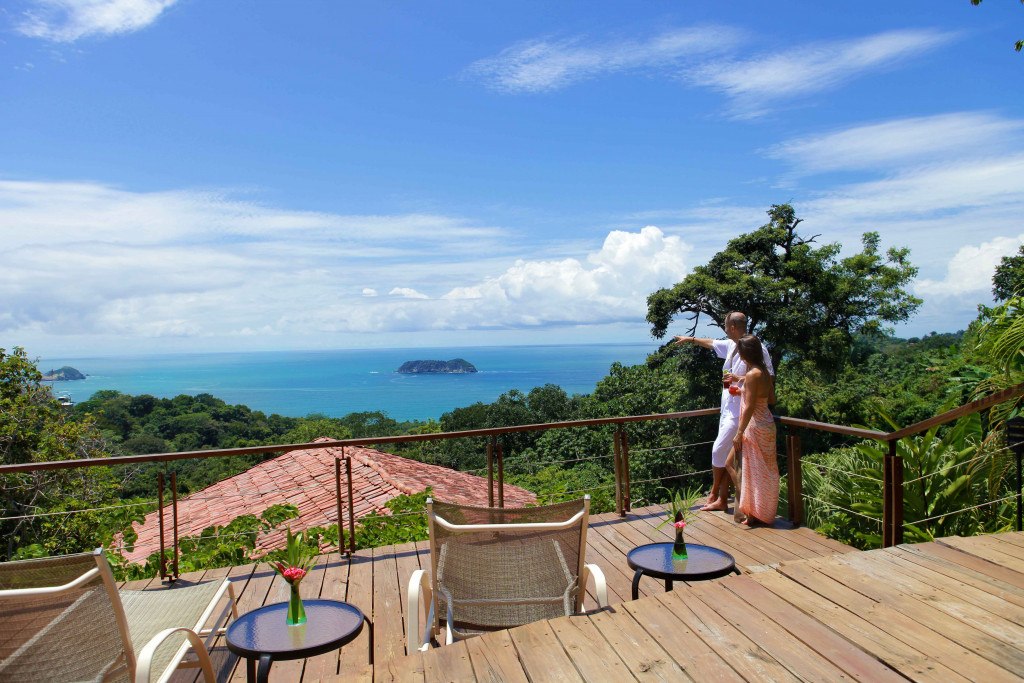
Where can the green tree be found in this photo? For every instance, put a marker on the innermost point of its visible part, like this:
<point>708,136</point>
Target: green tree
<point>34,428</point>
<point>803,301</point>
<point>1009,276</point>
<point>316,426</point>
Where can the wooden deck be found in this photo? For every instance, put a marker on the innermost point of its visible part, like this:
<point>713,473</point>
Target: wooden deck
<point>947,611</point>
<point>375,580</point>
<point>805,608</point>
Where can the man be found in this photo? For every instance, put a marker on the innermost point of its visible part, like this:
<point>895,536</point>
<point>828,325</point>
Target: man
<point>733,370</point>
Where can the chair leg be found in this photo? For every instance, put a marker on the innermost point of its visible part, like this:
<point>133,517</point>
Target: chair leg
<point>600,585</point>
<point>419,598</point>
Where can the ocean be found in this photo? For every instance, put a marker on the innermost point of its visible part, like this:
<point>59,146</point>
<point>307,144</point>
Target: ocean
<point>335,383</point>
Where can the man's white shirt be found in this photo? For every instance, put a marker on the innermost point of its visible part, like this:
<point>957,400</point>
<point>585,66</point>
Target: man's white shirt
<point>726,348</point>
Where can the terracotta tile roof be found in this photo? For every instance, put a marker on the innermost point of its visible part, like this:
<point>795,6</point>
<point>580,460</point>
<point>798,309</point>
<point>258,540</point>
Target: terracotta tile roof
<point>306,480</point>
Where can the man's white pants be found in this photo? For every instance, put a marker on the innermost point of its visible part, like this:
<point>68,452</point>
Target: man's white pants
<point>727,427</point>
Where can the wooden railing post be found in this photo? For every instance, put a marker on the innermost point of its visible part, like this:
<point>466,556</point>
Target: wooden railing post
<point>887,498</point>
<point>160,518</point>
<point>337,492</point>
<point>617,460</point>
<point>501,476</point>
<point>892,498</point>
<point>490,471</point>
<point>174,520</point>
<point>897,501</point>
<point>627,497</point>
<point>1015,439</point>
<point>794,479</point>
<point>351,505</point>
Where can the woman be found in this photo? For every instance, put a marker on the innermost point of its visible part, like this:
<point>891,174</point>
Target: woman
<point>755,438</point>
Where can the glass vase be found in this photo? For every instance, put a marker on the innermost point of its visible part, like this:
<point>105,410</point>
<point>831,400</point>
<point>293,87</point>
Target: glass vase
<point>679,546</point>
<point>296,612</point>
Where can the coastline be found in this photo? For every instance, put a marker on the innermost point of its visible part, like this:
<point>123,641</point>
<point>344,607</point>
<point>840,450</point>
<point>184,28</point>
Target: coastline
<point>336,383</point>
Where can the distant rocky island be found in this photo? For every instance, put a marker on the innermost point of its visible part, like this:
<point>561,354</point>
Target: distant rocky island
<point>64,374</point>
<point>456,366</point>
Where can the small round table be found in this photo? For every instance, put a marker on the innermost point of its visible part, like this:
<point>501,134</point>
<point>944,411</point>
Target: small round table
<point>264,635</point>
<point>655,559</point>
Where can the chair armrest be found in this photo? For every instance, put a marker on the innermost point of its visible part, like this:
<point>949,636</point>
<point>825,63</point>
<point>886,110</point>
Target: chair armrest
<point>600,583</point>
<point>145,660</point>
<point>419,597</point>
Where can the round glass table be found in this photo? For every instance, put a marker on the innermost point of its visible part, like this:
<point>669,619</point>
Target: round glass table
<point>702,562</point>
<point>264,636</point>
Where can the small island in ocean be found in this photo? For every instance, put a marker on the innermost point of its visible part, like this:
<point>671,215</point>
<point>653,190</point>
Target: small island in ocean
<point>64,374</point>
<point>456,366</point>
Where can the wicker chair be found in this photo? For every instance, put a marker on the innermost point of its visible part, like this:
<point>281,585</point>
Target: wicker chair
<point>64,619</point>
<point>495,568</point>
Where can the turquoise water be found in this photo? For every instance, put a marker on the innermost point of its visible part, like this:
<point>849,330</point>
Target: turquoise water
<point>297,383</point>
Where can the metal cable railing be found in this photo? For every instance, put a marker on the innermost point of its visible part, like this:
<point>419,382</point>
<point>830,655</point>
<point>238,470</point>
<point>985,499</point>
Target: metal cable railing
<point>946,469</point>
<point>672,476</point>
<point>892,482</point>
<point>840,507</point>
<point>847,473</point>
<point>966,509</point>
<point>672,448</point>
<point>72,512</point>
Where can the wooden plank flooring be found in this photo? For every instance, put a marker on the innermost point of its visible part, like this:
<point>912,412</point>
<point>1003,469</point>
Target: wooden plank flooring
<point>375,581</point>
<point>951,610</point>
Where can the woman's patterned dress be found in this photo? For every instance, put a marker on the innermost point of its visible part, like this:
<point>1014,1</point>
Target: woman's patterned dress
<point>760,496</point>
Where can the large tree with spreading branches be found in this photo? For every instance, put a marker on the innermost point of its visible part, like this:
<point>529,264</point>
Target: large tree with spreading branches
<point>800,298</point>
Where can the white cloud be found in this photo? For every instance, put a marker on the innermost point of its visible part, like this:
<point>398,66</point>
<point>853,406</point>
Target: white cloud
<point>755,82</point>
<point>900,141</point>
<point>83,260</point>
<point>543,65</point>
<point>610,286</point>
<point>42,213</point>
<point>407,293</point>
<point>66,21</point>
<point>954,185</point>
<point>971,268</point>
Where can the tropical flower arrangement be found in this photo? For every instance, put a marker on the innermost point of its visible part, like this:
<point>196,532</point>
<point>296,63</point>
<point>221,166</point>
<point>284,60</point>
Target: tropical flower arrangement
<point>293,563</point>
<point>680,511</point>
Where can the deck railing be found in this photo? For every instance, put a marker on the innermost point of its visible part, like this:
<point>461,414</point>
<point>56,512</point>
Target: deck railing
<point>892,521</point>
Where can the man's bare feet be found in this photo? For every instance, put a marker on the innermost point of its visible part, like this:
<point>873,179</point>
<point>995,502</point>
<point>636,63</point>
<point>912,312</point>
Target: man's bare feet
<point>717,505</point>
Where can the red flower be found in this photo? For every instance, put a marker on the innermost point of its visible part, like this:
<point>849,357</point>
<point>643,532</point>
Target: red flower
<point>680,524</point>
<point>293,574</point>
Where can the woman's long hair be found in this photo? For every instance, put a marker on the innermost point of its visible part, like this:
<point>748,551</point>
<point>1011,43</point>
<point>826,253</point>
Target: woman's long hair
<point>749,348</point>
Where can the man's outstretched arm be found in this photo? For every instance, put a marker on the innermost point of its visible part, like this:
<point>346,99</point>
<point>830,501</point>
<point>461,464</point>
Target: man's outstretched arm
<point>699,341</point>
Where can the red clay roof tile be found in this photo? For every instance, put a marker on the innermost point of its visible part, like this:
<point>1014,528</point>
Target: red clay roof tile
<point>305,478</point>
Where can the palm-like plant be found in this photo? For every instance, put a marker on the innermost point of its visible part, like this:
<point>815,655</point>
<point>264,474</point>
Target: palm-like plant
<point>951,476</point>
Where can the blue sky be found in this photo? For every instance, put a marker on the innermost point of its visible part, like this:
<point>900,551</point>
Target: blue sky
<point>200,175</point>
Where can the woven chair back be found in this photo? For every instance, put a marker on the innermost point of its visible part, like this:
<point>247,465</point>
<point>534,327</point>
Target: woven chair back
<point>70,635</point>
<point>509,573</point>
